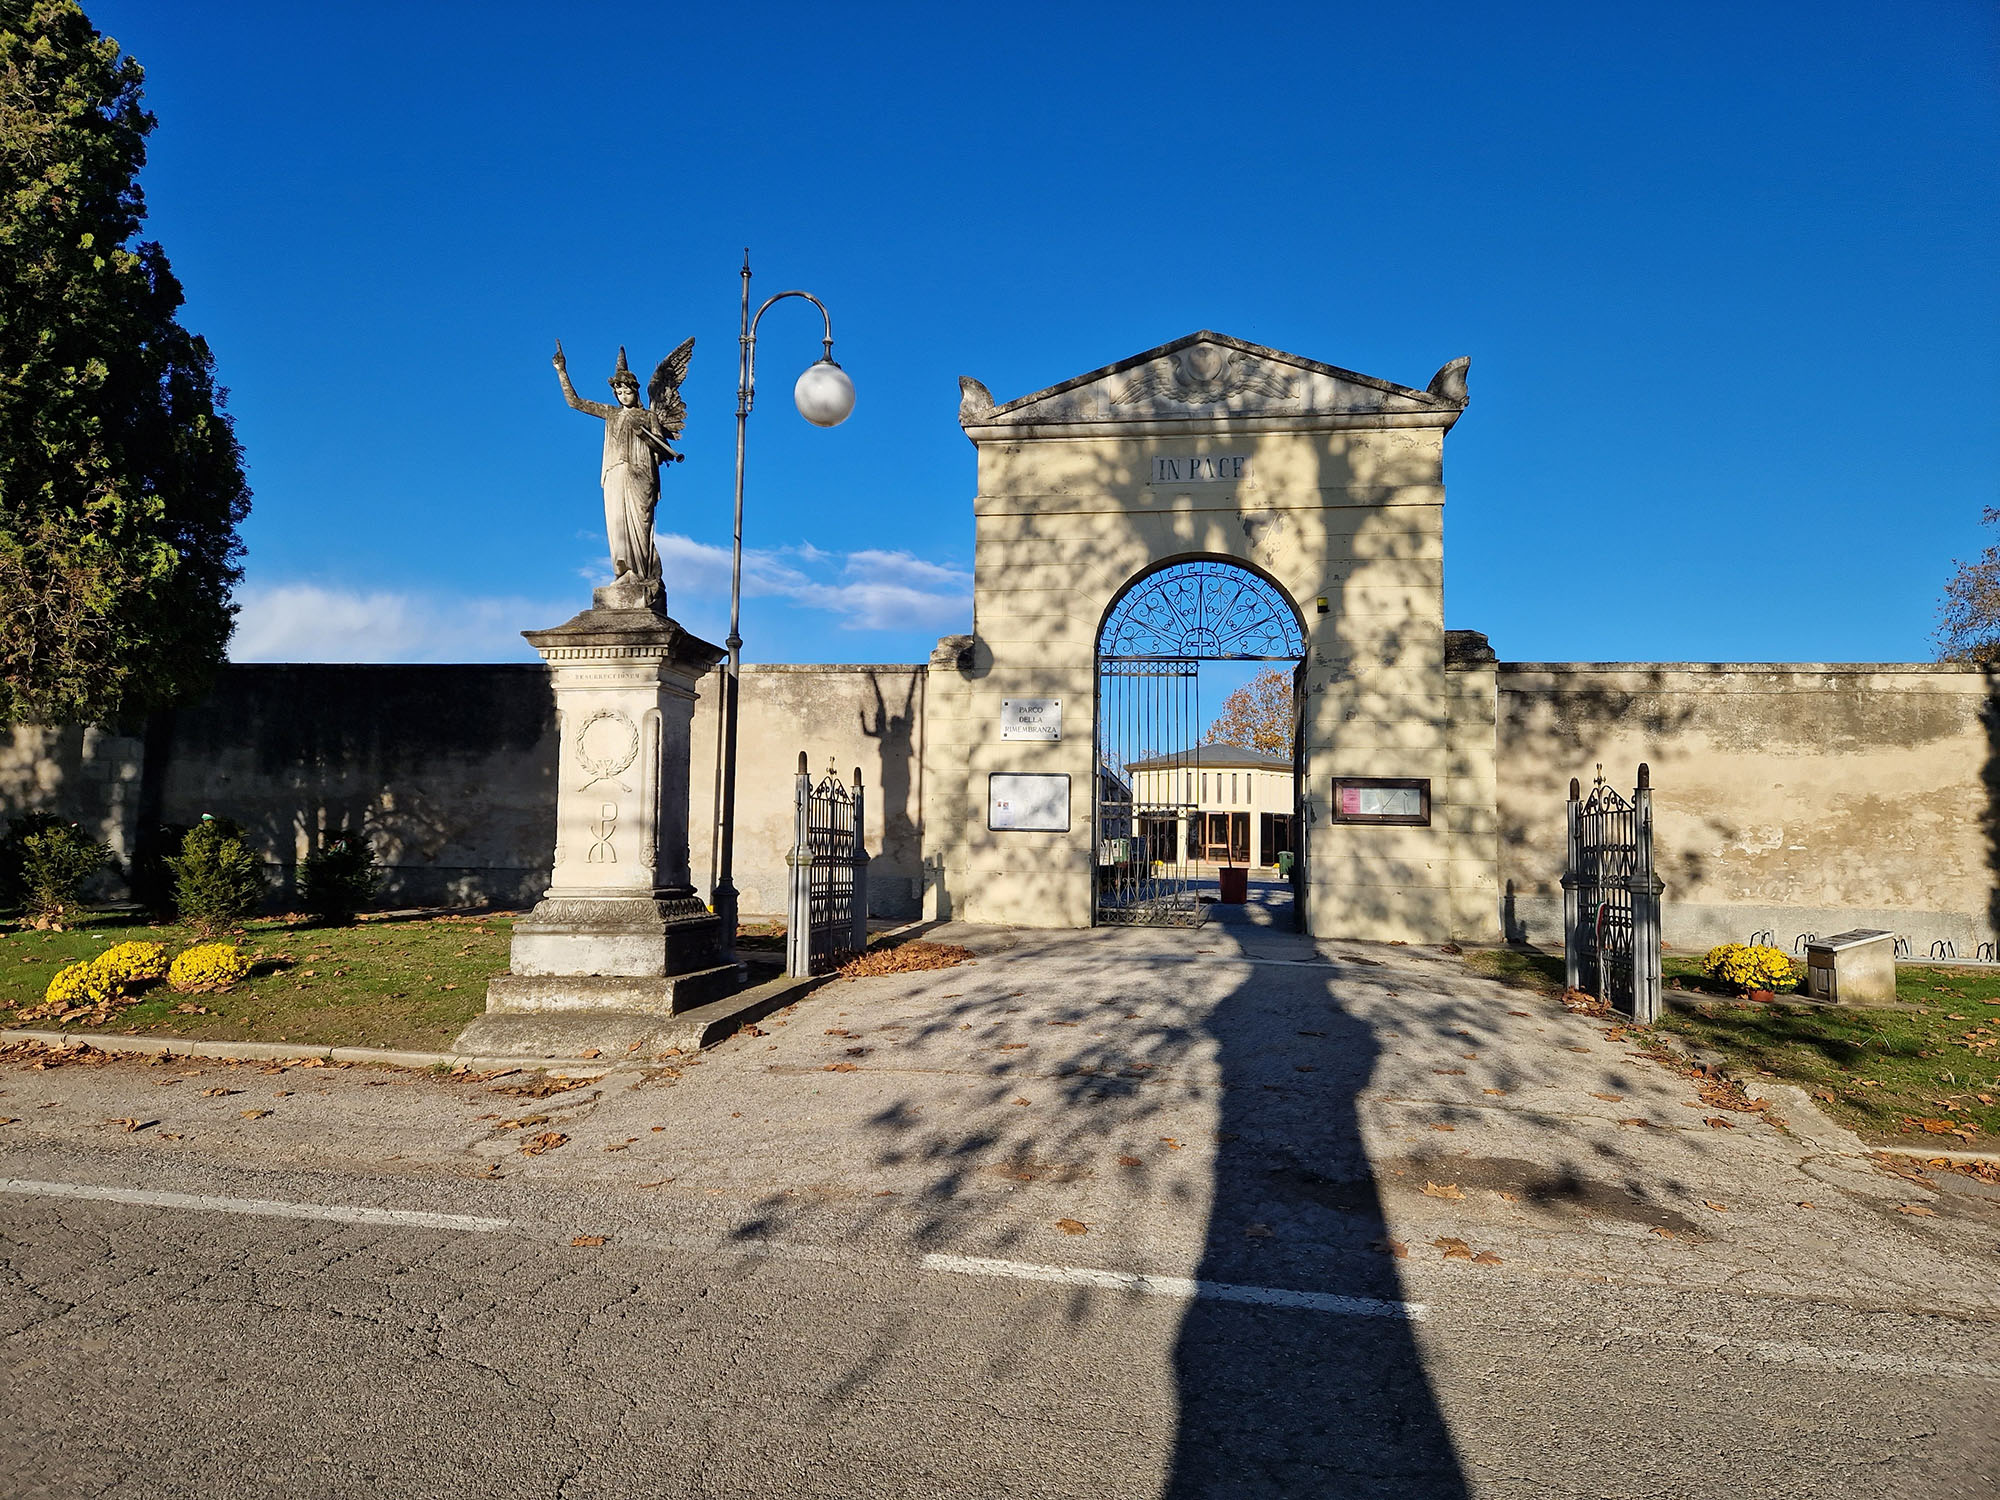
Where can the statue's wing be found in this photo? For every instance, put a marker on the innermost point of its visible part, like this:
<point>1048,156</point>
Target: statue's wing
<point>669,374</point>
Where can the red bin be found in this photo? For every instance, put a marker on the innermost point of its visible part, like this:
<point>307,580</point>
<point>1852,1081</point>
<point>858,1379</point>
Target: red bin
<point>1235,884</point>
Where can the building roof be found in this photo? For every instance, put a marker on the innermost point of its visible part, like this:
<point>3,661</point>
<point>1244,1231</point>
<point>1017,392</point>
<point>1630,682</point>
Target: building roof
<point>1210,378</point>
<point>1228,757</point>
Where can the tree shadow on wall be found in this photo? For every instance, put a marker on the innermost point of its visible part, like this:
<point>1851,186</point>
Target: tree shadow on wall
<point>901,840</point>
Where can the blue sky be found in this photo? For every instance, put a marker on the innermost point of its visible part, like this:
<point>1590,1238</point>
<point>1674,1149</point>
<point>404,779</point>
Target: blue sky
<point>1726,275</point>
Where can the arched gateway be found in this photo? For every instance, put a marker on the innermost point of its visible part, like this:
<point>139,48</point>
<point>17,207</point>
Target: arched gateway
<point>1323,486</point>
<point>1169,807</point>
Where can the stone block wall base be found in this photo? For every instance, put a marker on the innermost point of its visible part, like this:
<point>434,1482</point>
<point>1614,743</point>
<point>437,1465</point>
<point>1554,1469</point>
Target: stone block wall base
<point>638,995</point>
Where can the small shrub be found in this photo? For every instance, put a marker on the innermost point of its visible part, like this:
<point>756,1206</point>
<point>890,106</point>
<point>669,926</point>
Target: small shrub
<point>79,984</point>
<point>129,965</point>
<point>338,879</point>
<point>218,878</point>
<point>207,966</point>
<point>1747,967</point>
<point>46,864</point>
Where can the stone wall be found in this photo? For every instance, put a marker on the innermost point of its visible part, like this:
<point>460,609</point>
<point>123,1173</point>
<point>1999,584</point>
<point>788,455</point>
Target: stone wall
<point>451,771</point>
<point>1789,798</point>
<point>866,716</point>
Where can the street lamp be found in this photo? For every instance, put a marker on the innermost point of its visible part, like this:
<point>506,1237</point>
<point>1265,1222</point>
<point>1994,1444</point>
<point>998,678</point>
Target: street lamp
<point>824,396</point>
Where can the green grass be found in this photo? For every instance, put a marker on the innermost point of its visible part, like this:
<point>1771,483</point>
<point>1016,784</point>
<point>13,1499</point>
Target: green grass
<point>1881,1072</point>
<point>385,982</point>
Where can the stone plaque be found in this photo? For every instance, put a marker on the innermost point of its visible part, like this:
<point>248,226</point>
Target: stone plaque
<point>1202,468</point>
<point>1027,802</point>
<point>1031,718</point>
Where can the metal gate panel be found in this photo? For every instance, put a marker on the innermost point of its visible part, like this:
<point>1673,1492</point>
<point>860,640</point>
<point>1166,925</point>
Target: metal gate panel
<point>1148,724</point>
<point>1611,898</point>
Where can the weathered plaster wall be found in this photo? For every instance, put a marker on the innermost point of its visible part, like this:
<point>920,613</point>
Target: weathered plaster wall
<point>449,768</point>
<point>1791,798</point>
<point>451,771</point>
<point>866,716</point>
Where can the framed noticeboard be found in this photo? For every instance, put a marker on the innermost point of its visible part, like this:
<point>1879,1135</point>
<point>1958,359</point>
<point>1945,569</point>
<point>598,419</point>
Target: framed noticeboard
<point>1024,802</point>
<point>1400,800</point>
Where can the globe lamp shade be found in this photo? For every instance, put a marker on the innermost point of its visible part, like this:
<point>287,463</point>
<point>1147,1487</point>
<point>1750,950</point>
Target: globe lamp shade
<point>824,394</point>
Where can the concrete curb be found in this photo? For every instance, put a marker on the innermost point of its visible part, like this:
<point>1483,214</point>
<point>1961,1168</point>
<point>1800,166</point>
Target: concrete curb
<point>149,1046</point>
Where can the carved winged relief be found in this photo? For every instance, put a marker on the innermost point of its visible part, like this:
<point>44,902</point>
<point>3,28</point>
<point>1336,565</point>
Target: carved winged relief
<point>1203,375</point>
<point>637,440</point>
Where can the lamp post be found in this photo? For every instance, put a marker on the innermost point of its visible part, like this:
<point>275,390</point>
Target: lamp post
<point>824,396</point>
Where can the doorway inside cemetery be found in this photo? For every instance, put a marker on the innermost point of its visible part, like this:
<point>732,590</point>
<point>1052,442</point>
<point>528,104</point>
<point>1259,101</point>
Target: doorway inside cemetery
<point>1197,805</point>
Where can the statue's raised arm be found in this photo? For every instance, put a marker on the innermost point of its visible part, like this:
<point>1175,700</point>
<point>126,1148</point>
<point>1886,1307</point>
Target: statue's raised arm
<point>599,409</point>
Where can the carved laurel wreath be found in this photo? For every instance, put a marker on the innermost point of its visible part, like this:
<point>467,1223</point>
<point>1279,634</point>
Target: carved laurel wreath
<point>607,767</point>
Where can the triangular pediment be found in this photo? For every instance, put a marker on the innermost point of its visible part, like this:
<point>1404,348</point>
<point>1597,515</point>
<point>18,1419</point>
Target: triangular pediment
<point>1210,377</point>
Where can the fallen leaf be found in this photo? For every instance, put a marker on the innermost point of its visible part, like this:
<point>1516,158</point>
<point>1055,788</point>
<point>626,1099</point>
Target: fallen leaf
<point>752,1031</point>
<point>1492,1091</point>
<point>1449,1072</point>
<point>1916,1210</point>
<point>1635,1120</point>
<point>1072,1226</point>
<point>1718,1123</point>
<point>593,1052</point>
<point>1170,1143</point>
<point>1823,1094</point>
<point>253,1114</point>
<point>1020,1101</point>
<point>1662,1232</point>
<point>1806,1204</point>
<point>1257,1231</point>
<point>1509,1197</point>
<point>1304,1068</point>
<point>1721,1208</point>
<point>1610,1098</point>
<point>1518,1012</point>
<point>588,1239</point>
<point>1392,1247</point>
<point>1443,1190</point>
<point>11,1119</point>
<point>1454,1249</point>
<point>1486,1258</point>
<point>1128,1161</point>
<point>839,1067</point>
<point>131,1125</point>
<point>1938,1127</point>
<point>548,1140</point>
<point>218,1093</point>
<point>1012,1046</point>
<point>1443,1127</point>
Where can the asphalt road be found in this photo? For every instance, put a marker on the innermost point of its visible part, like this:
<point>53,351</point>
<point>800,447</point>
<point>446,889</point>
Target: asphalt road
<point>1103,1214</point>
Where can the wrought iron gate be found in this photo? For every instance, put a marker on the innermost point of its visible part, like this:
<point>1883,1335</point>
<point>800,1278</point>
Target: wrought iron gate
<point>1611,898</point>
<point>827,914</point>
<point>1148,723</point>
<point>1149,727</point>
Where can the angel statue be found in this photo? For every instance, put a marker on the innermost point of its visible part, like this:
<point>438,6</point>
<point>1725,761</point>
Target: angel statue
<point>637,440</point>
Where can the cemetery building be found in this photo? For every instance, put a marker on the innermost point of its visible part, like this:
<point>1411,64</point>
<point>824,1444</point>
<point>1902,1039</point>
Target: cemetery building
<point>1206,500</point>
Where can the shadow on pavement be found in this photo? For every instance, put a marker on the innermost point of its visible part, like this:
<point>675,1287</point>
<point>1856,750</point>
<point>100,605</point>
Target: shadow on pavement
<point>1276,1401</point>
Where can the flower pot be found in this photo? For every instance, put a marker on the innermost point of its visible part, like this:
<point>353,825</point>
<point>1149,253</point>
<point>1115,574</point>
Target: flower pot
<point>1763,997</point>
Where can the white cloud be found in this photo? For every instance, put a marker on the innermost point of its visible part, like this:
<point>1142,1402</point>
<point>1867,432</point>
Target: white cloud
<point>311,622</point>
<point>868,590</point>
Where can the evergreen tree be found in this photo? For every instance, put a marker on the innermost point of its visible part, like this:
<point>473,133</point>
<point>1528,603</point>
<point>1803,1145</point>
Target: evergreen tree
<point>121,481</point>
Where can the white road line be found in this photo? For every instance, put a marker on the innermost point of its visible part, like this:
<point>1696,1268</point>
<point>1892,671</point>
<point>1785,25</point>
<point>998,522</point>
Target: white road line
<point>1182,1287</point>
<point>265,1207</point>
<point>1814,1357</point>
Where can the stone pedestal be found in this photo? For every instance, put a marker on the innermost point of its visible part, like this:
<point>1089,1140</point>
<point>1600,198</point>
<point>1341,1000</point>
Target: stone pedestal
<point>620,929</point>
